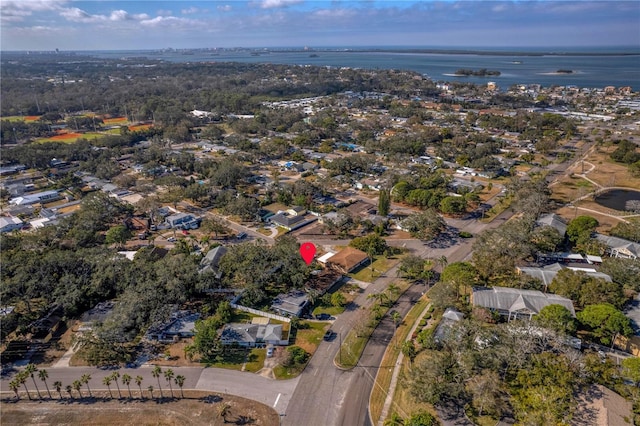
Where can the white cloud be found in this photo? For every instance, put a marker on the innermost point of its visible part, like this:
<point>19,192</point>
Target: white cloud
<point>75,14</point>
<point>190,11</point>
<point>272,4</point>
<point>17,11</point>
<point>172,21</point>
<point>164,12</point>
<point>225,8</point>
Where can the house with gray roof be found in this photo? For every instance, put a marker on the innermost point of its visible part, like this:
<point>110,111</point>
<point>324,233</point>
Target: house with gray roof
<point>252,335</point>
<point>554,221</point>
<point>290,304</point>
<point>619,247</point>
<point>211,261</point>
<point>546,274</point>
<point>515,303</point>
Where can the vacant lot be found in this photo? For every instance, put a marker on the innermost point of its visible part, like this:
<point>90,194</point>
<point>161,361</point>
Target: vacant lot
<point>199,408</point>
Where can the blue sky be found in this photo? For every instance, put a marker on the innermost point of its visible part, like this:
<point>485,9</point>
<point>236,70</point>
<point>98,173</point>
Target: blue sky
<point>124,25</point>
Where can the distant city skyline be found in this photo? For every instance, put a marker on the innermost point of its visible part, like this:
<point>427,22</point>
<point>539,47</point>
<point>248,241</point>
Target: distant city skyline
<point>131,25</point>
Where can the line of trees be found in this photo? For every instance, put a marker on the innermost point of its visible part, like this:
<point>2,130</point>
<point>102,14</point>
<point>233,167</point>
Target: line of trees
<point>31,371</point>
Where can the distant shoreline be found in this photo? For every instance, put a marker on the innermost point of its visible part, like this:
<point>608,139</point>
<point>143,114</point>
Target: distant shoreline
<point>486,52</point>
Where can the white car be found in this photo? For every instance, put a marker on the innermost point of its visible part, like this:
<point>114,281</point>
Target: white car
<point>172,239</point>
<point>270,351</point>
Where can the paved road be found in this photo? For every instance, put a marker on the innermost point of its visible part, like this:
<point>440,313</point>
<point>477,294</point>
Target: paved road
<point>274,393</point>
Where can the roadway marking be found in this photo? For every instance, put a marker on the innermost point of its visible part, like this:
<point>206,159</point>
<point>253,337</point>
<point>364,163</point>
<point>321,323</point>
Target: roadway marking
<point>277,399</point>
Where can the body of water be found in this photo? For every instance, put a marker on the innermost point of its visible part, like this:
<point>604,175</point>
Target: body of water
<point>620,199</point>
<point>596,70</point>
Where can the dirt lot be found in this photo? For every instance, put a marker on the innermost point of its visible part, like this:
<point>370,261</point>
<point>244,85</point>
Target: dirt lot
<point>199,408</point>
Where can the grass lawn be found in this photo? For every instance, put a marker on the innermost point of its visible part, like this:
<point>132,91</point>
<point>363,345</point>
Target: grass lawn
<point>356,340</point>
<point>370,273</point>
<point>255,360</point>
<point>383,378</point>
<point>309,337</point>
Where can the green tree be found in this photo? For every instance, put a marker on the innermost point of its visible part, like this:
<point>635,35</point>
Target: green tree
<point>421,418</point>
<point>486,392</point>
<point>206,341</point>
<point>413,267</point>
<point>138,380</point>
<point>579,229</point>
<point>156,372</point>
<point>394,420</point>
<point>606,322</point>
<point>460,274</point>
<point>425,225</point>
<point>69,390</point>
<point>14,385</point>
<point>115,376</point>
<point>409,350</point>
<point>85,380</point>
<point>557,318</point>
<point>371,244</point>
<point>118,235</point>
<point>180,382</point>
<point>169,375</point>
<point>31,369</point>
<point>77,385</point>
<point>57,385</point>
<point>126,380</point>
<point>338,299</point>
<point>384,202</point>
<point>107,382</point>
<point>631,369</point>
<point>453,205</point>
<point>44,375</point>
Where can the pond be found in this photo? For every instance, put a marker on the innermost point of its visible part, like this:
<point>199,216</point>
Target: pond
<point>620,199</point>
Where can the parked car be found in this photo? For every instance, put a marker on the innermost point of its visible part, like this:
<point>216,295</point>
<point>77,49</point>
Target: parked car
<point>328,335</point>
<point>241,235</point>
<point>172,239</point>
<point>270,351</point>
<point>323,317</point>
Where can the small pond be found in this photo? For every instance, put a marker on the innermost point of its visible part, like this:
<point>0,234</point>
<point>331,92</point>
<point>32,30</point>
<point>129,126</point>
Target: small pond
<point>620,199</point>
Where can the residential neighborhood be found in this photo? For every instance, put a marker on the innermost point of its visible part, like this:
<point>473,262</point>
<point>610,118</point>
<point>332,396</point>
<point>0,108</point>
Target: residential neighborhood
<point>466,235</point>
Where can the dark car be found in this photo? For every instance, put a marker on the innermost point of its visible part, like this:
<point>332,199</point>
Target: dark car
<point>323,317</point>
<point>328,335</point>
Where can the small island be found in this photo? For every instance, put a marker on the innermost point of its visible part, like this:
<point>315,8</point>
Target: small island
<point>561,71</point>
<point>482,72</point>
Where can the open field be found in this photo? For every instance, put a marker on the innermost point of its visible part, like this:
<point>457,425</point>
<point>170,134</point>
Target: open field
<point>198,408</point>
<point>115,120</point>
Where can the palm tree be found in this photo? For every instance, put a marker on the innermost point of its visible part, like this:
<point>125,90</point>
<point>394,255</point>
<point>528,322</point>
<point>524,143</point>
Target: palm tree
<point>22,379</point>
<point>85,380</point>
<point>31,370</point>
<point>156,373</point>
<point>223,411</point>
<point>138,381</point>
<point>77,385</point>
<point>57,385</point>
<point>44,376</point>
<point>126,380</point>
<point>394,420</point>
<point>107,381</point>
<point>115,376</point>
<point>14,385</point>
<point>168,375</point>
<point>69,390</point>
<point>442,261</point>
<point>150,389</point>
<point>180,382</point>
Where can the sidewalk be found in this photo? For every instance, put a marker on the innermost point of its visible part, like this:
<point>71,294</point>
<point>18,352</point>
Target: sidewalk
<point>396,371</point>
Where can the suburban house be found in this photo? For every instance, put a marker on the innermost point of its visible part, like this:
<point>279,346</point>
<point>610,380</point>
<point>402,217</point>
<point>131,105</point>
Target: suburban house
<point>181,324</point>
<point>38,197</point>
<point>348,259</point>
<point>515,303</point>
<point>547,273</point>
<point>252,335</point>
<point>290,304</point>
<point>554,221</point>
<point>183,220</point>
<point>10,223</point>
<point>450,317</point>
<point>291,219</point>
<point>211,261</point>
<point>619,247</point>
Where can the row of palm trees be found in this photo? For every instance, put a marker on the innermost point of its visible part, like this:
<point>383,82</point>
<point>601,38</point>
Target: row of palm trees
<point>31,370</point>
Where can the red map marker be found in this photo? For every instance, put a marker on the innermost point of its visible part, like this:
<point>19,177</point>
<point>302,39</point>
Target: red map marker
<point>307,251</point>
